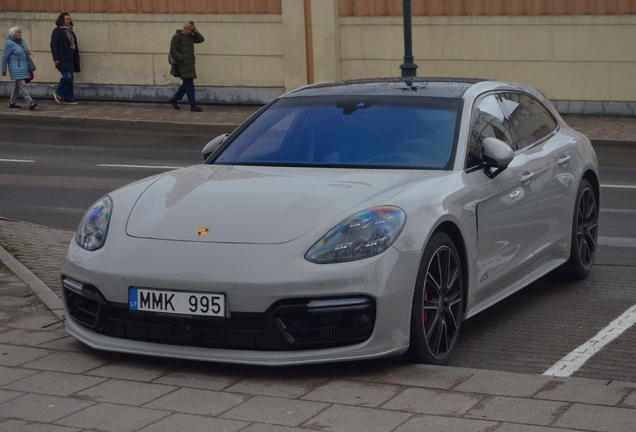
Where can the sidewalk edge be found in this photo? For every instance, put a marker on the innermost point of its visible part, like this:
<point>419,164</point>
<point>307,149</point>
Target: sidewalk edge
<point>39,288</point>
<point>94,121</point>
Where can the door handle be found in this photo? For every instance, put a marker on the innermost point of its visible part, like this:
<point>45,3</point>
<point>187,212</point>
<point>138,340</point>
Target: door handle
<point>563,160</point>
<point>526,176</point>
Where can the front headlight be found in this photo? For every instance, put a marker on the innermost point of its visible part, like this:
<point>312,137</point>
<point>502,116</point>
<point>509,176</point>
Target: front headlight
<point>363,235</point>
<point>91,234</point>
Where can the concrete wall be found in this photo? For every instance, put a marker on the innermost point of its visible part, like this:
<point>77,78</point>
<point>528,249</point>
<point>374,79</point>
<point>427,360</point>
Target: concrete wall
<point>574,58</point>
<point>256,49</point>
<point>240,51</point>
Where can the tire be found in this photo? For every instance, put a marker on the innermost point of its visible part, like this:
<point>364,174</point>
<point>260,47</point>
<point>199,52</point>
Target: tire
<point>438,303</point>
<point>584,233</point>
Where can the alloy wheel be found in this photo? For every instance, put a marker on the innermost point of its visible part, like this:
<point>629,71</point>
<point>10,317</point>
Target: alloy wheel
<point>587,228</point>
<point>442,302</point>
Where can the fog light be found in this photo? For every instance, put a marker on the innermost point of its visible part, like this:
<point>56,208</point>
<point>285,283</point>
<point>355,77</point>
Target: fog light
<point>359,324</point>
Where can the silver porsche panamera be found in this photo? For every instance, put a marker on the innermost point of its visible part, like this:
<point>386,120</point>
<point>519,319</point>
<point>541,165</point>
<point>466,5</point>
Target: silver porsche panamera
<point>342,221</point>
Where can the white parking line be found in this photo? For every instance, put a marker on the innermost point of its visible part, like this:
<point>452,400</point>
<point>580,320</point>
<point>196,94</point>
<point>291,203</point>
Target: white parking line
<point>574,360</point>
<point>16,160</point>
<point>618,186</point>
<point>142,166</point>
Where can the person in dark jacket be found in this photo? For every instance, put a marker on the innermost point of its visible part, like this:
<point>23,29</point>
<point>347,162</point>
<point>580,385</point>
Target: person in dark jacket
<point>182,49</point>
<point>66,57</point>
<point>15,56</point>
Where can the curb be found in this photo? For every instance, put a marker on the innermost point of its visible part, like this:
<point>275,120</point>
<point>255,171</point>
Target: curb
<point>90,121</point>
<point>39,288</point>
<point>598,142</point>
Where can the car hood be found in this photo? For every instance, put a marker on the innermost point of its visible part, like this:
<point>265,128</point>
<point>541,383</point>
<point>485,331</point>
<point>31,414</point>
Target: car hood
<point>259,205</point>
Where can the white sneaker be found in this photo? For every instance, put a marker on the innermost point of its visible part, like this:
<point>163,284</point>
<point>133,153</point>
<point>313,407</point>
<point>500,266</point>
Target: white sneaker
<point>57,98</point>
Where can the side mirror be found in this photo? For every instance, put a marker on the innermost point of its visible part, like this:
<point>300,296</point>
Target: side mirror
<point>213,145</point>
<point>497,155</point>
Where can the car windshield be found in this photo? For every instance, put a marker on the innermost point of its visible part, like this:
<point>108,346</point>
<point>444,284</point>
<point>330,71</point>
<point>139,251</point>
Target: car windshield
<point>350,131</point>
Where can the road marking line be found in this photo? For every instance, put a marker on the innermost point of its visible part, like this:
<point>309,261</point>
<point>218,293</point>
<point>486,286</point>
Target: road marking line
<point>142,166</point>
<point>17,160</point>
<point>627,242</point>
<point>574,360</point>
<point>618,186</point>
<point>619,211</point>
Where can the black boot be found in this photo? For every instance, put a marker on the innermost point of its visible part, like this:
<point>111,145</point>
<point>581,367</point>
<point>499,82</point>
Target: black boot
<point>195,108</point>
<point>173,101</point>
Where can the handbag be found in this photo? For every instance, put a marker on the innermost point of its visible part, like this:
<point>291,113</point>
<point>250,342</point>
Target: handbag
<point>174,70</point>
<point>31,64</point>
<point>30,78</point>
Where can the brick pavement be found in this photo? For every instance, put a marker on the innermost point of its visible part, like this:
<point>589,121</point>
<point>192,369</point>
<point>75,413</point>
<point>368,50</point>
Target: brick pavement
<point>51,382</point>
<point>39,248</point>
<point>599,128</point>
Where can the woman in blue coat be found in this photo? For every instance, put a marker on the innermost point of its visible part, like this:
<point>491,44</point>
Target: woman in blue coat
<point>15,56</point>
<point>66,57</point>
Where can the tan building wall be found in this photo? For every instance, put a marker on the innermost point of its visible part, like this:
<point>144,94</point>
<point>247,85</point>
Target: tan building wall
<point>240,51</point>
<point>570,58</point>
<point>573,50</point>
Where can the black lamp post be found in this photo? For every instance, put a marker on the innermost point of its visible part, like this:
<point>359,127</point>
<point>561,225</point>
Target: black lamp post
<point>408,67</point>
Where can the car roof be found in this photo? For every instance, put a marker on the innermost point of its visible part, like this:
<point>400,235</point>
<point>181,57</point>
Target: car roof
<point>413,86</point>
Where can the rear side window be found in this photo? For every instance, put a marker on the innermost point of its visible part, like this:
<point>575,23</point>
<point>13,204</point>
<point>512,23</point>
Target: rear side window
<point>530,120</point>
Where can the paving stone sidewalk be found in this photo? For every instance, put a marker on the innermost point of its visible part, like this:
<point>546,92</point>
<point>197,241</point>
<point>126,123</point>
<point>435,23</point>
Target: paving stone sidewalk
<point>51,382</point>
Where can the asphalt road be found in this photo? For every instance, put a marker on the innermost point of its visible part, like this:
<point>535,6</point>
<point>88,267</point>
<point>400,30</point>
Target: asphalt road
<point>70,168</point>
<point>73,166</point>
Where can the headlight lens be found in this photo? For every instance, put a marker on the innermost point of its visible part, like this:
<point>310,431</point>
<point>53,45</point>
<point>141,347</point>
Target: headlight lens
<point>94,227</point>
<point>363,235</point>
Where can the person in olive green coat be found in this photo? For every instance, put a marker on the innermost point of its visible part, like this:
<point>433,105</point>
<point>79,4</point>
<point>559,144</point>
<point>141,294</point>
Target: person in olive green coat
<point>182,49</point>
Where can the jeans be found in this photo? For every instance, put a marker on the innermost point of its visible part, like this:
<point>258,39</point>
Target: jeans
<point>186,88</point>
<point>65,87</point>
<point>21,87</point>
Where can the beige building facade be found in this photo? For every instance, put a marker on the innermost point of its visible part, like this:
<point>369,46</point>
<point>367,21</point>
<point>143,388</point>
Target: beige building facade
<point>580,53</point>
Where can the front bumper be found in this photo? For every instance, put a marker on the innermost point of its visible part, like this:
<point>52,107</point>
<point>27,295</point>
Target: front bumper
<point>292,324</point>
<point>295,313</point>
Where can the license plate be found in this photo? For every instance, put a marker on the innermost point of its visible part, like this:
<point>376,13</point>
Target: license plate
<point>177,302</point>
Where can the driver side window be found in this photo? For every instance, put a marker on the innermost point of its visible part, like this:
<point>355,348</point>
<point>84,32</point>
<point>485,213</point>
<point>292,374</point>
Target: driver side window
<point>489,120</point>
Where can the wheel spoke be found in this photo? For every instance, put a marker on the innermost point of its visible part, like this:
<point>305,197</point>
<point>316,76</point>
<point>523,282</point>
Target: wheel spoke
<point>434,329</point>
<point>453,276</point>
<point>437,268</point>
<point>590,239</point>
<point>453,320</point>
